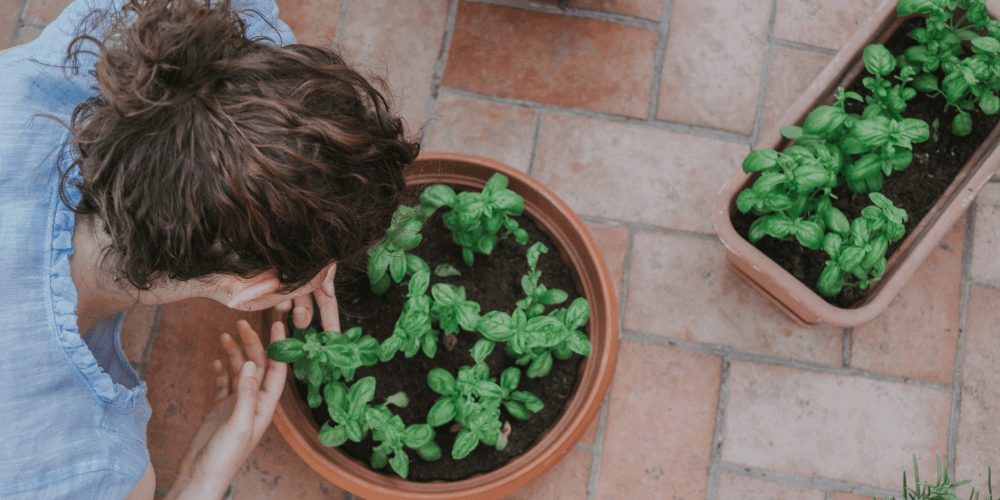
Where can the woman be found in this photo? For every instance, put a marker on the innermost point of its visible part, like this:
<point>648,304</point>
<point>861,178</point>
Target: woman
<point>152,152</point>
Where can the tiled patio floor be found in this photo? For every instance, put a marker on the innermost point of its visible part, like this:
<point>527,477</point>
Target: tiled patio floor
<point>635,111</point>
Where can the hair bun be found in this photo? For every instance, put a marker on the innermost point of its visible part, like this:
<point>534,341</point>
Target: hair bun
<point>158,53</point>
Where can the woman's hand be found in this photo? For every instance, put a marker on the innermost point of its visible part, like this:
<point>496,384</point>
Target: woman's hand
<point>325,299</point>
<point>247,389</point>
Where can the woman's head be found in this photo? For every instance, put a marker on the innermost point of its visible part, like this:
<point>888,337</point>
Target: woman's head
<point>206,153</point>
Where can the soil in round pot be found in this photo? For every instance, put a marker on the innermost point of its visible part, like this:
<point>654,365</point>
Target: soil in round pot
<point>494,282</point>
<point>916,189</point>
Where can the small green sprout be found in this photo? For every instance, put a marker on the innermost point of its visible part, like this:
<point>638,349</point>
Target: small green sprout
<point>318,358</point>
<point>475,218</point>
<point>520,404</point>
<point>473,401</point>
<point>452,311</point>
<point>354,417</point>
<point>388,259</point>
<point>414,330</point>
<point>537,295</point>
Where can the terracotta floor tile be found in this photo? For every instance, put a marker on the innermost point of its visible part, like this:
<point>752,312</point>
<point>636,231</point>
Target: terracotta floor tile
<point>978,440</point>
<point>275,472</point>
<point>180,378</point>
<point>714,61</point>
<point>826,425</point>
<point>566,61</point>
<point>314,22</point>
<point>648,9</point>
<point>567,480</point>
<point>850,496</point>
<point>918,335</point>
<point>136,330</point>
<point>401,45</point>
<point>789,73</point>
<point>986,239</point>
<point>43,11</point>
<point>613,242</point>
<point>821,23</point>
<point>590,435</point>
<point>660,423</point>
<point>497,131</point>
<point>681,288</point>
<point>735,487</point>
<point>634,173</point>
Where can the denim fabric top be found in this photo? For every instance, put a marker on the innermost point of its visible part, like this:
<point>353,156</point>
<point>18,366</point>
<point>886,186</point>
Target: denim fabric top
<point>73,414</point>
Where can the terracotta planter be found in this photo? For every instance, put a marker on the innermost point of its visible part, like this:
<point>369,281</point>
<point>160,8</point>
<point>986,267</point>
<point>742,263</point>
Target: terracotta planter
<point>796,298</point>
<point>577,247</point>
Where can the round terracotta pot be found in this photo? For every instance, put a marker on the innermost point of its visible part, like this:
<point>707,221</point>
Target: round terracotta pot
<point>581,254</point>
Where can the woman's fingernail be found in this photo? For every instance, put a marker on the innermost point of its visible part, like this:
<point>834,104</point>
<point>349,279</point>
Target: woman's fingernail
<point>249,368</point>
<point>299,312</point>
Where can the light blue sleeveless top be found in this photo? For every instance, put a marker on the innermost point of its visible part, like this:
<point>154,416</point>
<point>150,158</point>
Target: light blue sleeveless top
<point>73,413</point>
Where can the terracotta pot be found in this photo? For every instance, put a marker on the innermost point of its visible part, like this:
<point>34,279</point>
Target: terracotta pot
<point>799,300</point>
<point>573,239</point>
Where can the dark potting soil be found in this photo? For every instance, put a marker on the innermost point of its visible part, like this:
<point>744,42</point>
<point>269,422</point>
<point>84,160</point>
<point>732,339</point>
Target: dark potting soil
<point>936,162</point>
<point>495,282</point>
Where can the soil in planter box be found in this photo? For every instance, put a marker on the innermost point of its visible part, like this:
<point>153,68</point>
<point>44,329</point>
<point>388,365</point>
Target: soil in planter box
<point>916,189</point>
<point>494,282</point>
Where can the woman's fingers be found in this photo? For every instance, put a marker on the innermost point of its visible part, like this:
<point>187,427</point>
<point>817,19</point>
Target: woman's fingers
<point>252,347</point>
<point>329,313</point>
<point>272,385</point>
<point>234,354</point>
<point>302,312</point>
<point>241,422</point>
<point>221,380</point>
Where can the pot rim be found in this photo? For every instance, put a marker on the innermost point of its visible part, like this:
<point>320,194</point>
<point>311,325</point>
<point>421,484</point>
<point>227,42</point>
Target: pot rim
<point>576,245</point>
<point>795,297</point>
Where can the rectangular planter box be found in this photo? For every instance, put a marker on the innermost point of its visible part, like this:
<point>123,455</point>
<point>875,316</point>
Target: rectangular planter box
<point>796,298</point>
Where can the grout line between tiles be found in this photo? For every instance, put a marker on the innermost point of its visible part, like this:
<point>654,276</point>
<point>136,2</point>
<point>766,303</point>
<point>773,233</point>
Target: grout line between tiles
<point>658,61</point>
<point>765,72</point>
<point>848,347</point>
<point>534,141</point>
<point>637,22</point>
<point>809,482</point>
<point>956,376</point>
<point>828,496</point>
<point>737,355</point>
<point>345,6</point>
<point>803,47</point>
<point>984,283</point>
<point>709,132</point>
<point>720,415</point>
<point>598,449</point>
<point>442,59</point>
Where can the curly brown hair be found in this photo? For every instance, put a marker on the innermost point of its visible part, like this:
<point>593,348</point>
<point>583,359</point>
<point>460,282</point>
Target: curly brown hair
<point>205,152</point>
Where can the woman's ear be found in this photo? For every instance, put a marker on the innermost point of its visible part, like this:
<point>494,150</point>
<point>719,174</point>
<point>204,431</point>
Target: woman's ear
<point>249,294</point>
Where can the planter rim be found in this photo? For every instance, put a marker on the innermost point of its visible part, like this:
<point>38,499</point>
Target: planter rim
<point>795,297</point>
<point>579,249</point>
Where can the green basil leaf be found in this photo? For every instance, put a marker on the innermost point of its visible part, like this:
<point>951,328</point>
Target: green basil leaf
<point>517,410</point>
<point>986,45</point>
<point>362,392</point>
<point>437,195</point>
<point>578,313</point>
<point>915,130</point>
<point>864,168</point>
<point>908,7</point>
<point>429,344</point>
<point>496,183</point>
<point>578,343</point>
<point>878,60</point>
<point>510,378</point>
<point>397,265</point>
<point>926,83</point>
<point>465,443</point>
<point>872,131</point>
<point>418,283</point>
<point>313,398</point>
<point>286,350</point>
<point>831,280</point>
<point>445,294</point>
<point>791,132</point>
<point>989,103</point>
<point>446,271</point>
<point>810,177</point>
<point>378,263</point>
<point>760,160</point>
<point>961,125</point>
<point>418,435</point>
<point>836,221</point>
<point>850,258</point>
<point>379,459</point>
<point>769,181</point>
<point>508,202</point>
<point>553,296</point>
<point>430,451</point>
<point>540,366</point>
<point>809,234</point>
<point>777,226</point>
<point>400,463</point>
<point>496,326</point>
<point>832,243</point>
<point>954,86</point>
<point>481,349</point>
<point>824,121</point>
<point>442,412</point>
<point>332,436</point>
